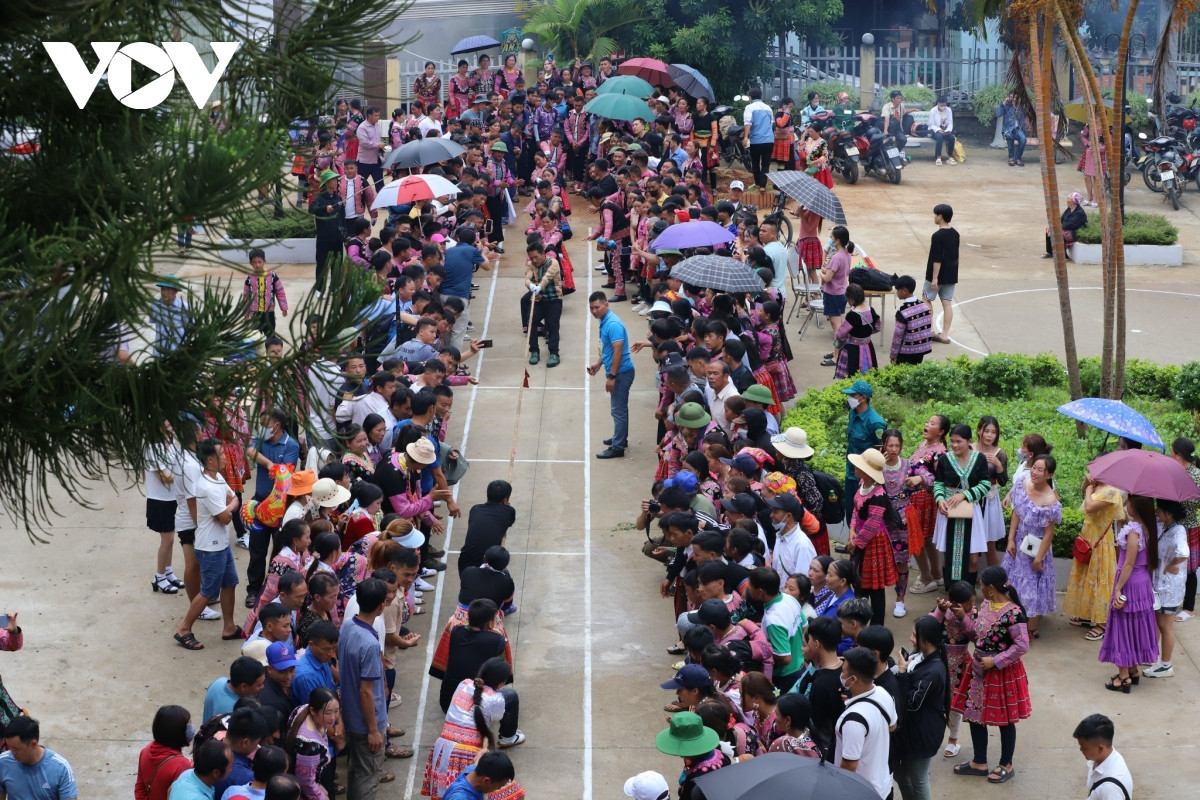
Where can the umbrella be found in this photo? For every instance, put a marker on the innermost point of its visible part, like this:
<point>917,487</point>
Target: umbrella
<point>626,84</point>
<point>423,152</point>
<point>784,775</point>
<point>1145,472</point>
<point>618,106</point>
<point>650,69</point>
<point>1076,110</point>
<point>700,233</point>
<point>810,193</point>
<point>1115,417</point>
<point>414,189</point>
<point>691,81</point>
<point>718,272</point>
<point>473,44</point>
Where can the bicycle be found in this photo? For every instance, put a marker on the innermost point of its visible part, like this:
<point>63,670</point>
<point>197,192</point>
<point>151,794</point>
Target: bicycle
<point>778,217</point>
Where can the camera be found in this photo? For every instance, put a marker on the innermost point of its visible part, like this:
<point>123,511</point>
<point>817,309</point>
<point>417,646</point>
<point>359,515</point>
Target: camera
<point>654,508</point>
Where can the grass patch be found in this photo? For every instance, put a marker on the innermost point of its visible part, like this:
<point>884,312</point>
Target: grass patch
<point>1139,229</point>
<point>260,223</point>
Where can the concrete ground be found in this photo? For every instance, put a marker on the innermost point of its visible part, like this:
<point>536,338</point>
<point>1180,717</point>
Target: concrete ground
<point>591,634</point>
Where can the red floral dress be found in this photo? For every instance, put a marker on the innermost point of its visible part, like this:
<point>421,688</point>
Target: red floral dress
<point>870,534</point>
<point>998,696</point>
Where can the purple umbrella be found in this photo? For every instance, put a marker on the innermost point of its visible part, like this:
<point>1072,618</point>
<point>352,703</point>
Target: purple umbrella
<point>1145,472</point>
<point>1114,417</point>
<point>700,233</point>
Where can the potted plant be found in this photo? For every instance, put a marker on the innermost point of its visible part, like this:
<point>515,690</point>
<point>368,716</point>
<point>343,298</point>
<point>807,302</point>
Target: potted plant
<point>288,240</point>
<point>1150,239</point>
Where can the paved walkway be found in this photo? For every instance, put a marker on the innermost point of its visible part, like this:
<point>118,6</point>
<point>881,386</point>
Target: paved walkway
<point>590,637</point>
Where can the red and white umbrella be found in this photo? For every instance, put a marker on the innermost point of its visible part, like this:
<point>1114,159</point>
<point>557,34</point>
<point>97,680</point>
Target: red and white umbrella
<point>648,69</point>
<point>414,189</point>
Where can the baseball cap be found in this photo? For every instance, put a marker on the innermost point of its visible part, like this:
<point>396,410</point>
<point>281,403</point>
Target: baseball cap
<point>860,387</point>
<point>280,655</point>
<point>743,464</point>
<point>788,504</point>
<point>647,786</point>
<point>692,676</point>
<point>740,503</point>
<point>712,611</point>
<point>736,185</point>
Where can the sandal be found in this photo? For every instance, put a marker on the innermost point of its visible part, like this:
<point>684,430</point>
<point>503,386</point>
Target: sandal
<point>674,708</point>
<point>232,636</point>
<point>395,731</point>
<point>188,641</point>
<point>676,650</point>
<point>1135,677</point>
<point>1184,616</point>
<point>396,751</point>
<point>951,750</point>
<point>1000,775</point>
<point>1078,622</point>
<point>965,768</point>
<point>388,777</point>
<point>1117,684</point>
<point>828,363</point>
<point>1095,634</point>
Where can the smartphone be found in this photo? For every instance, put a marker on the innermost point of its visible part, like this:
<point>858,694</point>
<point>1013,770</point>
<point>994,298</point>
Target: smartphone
<point>3,620</point>
<point>485,343</point>
<point>904,653</point>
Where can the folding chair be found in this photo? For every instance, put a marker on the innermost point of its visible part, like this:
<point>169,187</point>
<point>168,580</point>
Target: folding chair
<point>797,289</point>
<point>816,308</point>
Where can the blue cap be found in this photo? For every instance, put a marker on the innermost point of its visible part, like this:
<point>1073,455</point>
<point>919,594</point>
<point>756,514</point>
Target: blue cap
<point>860,387</point>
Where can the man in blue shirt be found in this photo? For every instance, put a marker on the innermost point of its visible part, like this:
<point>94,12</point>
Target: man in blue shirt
<point>364,696</point>
<point>314,668</point>
<point>864,430</point>
<point>170,316</point>
<point>247,728</point>
<point>618,372</point>
<point>211,765</point>
<point>460,264</point>
<point>677,153</point>
<point>246,679</point>
<point>758,136</point>
<point>493,772</point>
<point>28,770</point>
<point>272,446</point>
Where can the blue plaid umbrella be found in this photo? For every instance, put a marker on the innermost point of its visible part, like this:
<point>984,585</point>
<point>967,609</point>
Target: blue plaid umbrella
<point>719,273</point>
<point>691,81</point>
<point>1114,417</point>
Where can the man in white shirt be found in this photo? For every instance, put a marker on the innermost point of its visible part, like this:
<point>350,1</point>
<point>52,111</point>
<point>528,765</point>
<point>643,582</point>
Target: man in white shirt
<point>794,551</point>
<point>188,473</point>
<point>433,122</point>
<point>768,234</point>
<point>864,727</point>
<point>355,410</point>
<point>215,504</point>
<point>1108,776</point>
<point>720,388</point>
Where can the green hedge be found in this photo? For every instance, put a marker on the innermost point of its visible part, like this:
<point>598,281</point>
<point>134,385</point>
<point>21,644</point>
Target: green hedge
<point>907,396</point>
<point>912,93</point>
<point>259,223</point>
<point>829,90</point>
<point>985,101</point>
<point>1139,229</point>
<point>1139,107</point>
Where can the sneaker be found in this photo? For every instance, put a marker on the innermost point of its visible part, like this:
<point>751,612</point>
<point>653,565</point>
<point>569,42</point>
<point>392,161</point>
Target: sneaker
<point>1159,670</point>
<point>428,573</point>
<point>244,541</point>
<point>422,585</point>
<point>917,587</point>
<point>534,358</point>
<point>436,565</point>
<point>436,553</point>
<point>511,741</point>
<point>552,361</point>
<point>209,614</point>
<point>470,326</point>
<point>645,312</point>
<point>899,610</point>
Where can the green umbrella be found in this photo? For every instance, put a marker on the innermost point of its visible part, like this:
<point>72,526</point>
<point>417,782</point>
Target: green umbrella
<point>618,106</point>
<point>626,84</point>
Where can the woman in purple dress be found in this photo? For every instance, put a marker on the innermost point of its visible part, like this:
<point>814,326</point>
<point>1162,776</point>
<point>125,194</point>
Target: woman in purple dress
<point>1036,510</point>
<point>1131,637</point>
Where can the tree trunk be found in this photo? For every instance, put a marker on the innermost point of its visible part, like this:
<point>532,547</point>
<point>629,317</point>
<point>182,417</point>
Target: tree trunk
<point>1098,123</point>
<point>1041,59</point>
<point>1116,213</point>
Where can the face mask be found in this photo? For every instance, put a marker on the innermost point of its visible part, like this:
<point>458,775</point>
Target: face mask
<point>842,681</point>
<point>778,525</point>
<point>265,433</point>
<point>1021,454</point>
<point>189,733</point>
<point>850,401</point>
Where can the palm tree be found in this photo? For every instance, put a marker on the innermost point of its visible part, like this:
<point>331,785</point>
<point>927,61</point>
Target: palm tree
<point>581,29</point>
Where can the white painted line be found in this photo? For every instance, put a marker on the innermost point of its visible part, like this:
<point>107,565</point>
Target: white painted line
<point>527,553</point>
<point>587,549</point>
<point>527,461</point>
<point>541,388</point>
<point>435,611</point>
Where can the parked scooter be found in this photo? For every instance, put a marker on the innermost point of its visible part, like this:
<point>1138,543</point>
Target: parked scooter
<point>1167,167</point>
<point>841,148</point>
<point>883,158</point>
<point>729,140</point>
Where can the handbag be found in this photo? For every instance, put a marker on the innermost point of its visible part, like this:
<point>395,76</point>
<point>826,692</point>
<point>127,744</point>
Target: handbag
<point>455,466</point>
<point>1081,551</point>
<point>1031,545</point>
<point>961,511</point>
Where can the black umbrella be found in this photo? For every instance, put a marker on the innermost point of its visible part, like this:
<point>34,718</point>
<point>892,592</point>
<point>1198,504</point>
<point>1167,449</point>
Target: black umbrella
<point>810,193</point>
<point>423,152</point>
<point>784,775</point>
<point>473,44</point>
<point>718,272</point>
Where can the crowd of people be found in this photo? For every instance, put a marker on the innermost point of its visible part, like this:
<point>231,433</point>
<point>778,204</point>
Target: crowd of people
<point>781,630</point>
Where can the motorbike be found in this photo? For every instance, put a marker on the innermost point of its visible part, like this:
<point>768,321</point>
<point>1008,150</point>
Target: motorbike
<point>841,148</point>
<point>1167,167</point>
<point>883,159</point>
<point>1181,119</point>
<point>729,139</point>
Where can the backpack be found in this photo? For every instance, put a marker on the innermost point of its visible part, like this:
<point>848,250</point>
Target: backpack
<point>834,494</point>
<point>1120,785</point>
<point>872,280</point>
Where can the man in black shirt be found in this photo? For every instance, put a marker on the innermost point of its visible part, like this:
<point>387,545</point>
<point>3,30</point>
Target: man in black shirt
<point>487,525</point>
<point>470,646</point>
<point>491,580</point>
<point>821,680</point>
<point>281,666</point>
<point>941,270</point>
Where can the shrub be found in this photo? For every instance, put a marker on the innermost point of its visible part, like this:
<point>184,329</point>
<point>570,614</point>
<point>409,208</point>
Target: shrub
<point>1139,107</point>
<point>1002,375</point>
<point>1089,376</point>
<point>1047,370</point>
<point>1187,386</point>
<point>913,93</point>
<point>829,90</point>
<point>933,380</point>
<point>1147,379</point>
<point>985,101</point>
<point>1139,229</point>
<point>260,224</point>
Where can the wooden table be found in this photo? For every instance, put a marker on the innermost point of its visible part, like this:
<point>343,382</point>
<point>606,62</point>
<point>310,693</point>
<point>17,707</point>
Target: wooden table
<point>882,297</point>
